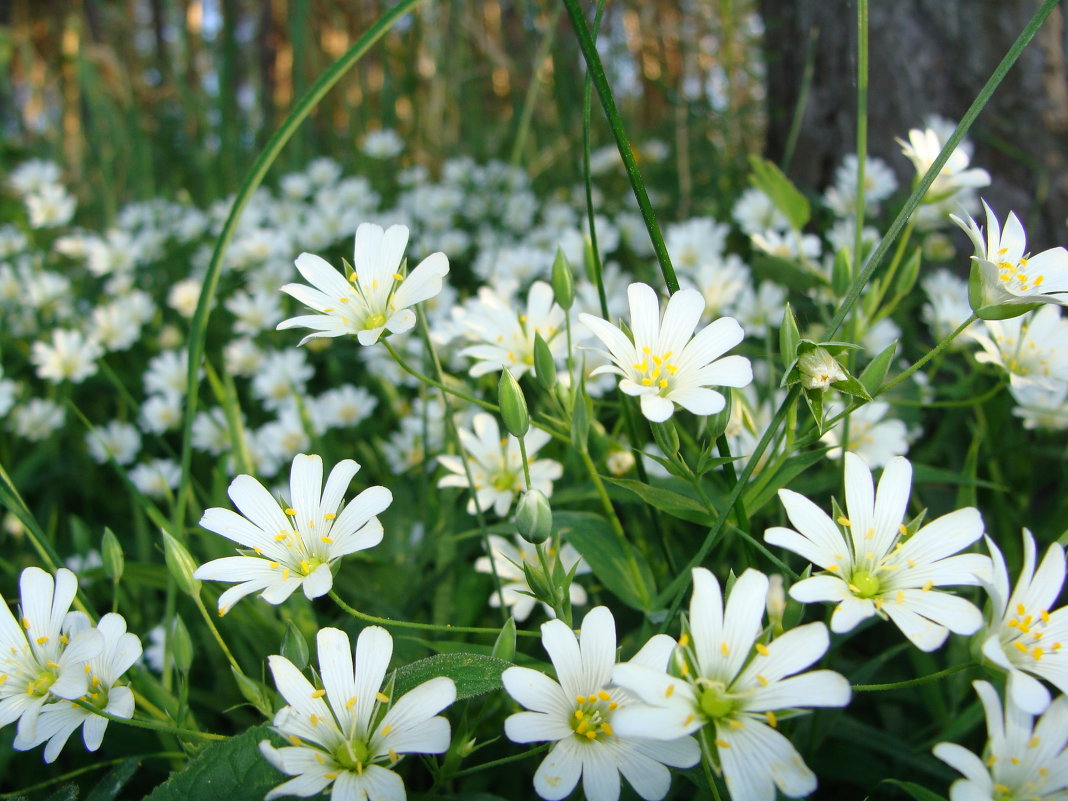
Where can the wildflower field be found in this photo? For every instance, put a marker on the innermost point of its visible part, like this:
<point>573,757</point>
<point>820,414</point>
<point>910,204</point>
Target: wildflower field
<point>472,408</point>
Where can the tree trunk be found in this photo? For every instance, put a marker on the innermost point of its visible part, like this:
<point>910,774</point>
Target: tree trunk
<point>927,57</point>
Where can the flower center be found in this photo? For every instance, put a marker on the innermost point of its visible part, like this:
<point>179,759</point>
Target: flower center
<point>714,701</point>
<point>865,584</point>
<point>374,321</point>
<point>1031,629</point>
<point>504,480</point>
<point>590,721</point>
<point>353,755</point>
<point>655,370</point>
<point>39,687</point>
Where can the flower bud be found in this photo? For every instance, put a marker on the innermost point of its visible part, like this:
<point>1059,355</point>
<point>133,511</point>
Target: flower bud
<point>619,462</point>
<point>111,551</point>
<point>253,692</point>
<point>534,517</point>
<point>563,281</point>
<point>180,564</point>
<point>294,646</point>
<point>181,645</point>
<point>819,369</point>
<point>513,406</point>
<point>544,364</point>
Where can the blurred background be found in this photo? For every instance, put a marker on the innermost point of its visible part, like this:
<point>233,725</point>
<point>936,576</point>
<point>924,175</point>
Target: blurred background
<point>141,98</point>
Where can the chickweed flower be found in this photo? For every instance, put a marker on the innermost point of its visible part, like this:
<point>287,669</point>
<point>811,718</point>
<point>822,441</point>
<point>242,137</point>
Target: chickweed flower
<point>349,733</point>
<point>1023,637</point>
<point>664,363</point>
<point>376,298</point>
<point>875,566</point>
<point>729,677</point>
<point>1024,759</point>
<point>506,560</point>
<point>577,711</point>
<point>293,545</point>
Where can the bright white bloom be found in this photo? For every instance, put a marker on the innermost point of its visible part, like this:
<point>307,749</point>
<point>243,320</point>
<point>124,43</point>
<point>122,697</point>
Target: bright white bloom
<point>167,373</point>
<point>156,478</point>
<point>576,714</point>
<point>923,148</point>
<point>755,212</point>
<point>295,545</point>
<point>39,660</point>
<point>507,561</point>
<point>59,721</point>
<point>184,296</point>
<point>1024,759</point>
<point>879,183</point>
<point>877,568</point>
<point>496,465</point>
<point>33,175</point>
<point>1032,349</point>
<point>1022,636</point>
<point>255,311</point>
<point>343,406</point>
<point>665,363</point>
<point>1037,406</point>
<point>382,144</point>
<point>505,335</point>
<point>160,413</point>
<point>789,245</point>
<point>1008,273</point>
<point>947,304</point>
<point>695,242</point>
<point>873,438</point>
<point>211,431</point>
<point>740,683</point>
<point>69,357</point>
<point>50,206</point>
<point>721,280</point>
<point>376,298</point>
<point>116,440</point>
<point>345,739</point>
<point>37,419</point>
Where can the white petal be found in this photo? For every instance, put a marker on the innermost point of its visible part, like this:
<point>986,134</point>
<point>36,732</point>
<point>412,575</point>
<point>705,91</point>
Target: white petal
<point>318,583</point>
<point>656,408</point>
<point>534,690</point>
<point>536,727</point>
<point>558,773</point>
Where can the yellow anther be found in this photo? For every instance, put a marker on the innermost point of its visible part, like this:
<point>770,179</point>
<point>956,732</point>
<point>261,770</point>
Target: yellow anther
<point>318,694</point>
<point>606,728</point>
<point>330,776</point>
<point>327,540</point>
<point>761,680</point>
<point>88,669</point>
<point>274,565</point>
<point>603,695</point>
<point>580,699</point>
<point>295,740</point>
<point>772,720</point>
<point>1033,742</point>
<point>724,648</point>
<point>684,640</point>
<point>314,719</point>
<point>398,277</point>
<point>342,300</point>
<point>869,533</point>
<point>736,724</point>
<point>591,735</point>
<point>1014,760</point>
<point>329,516</point>
<point>393,758</point>
<point>257,549</point>
<point>1021,610</point>
<point>843,520</point>
<point>991,760</point>
<point>285,574</point>
<point>290,511</point>
<point>900,597</point>
<point>350,703</point>
<point>669,691</point>
<point>1044,615</point>
<point>927,586</point>
<point>761,649</point>
<point>912,563</point>
<point>902,530</point>
<point>1036,653</point>
<point>386,730</point>
<point>26,623</point>
<point>647,382</point>
<point>1020,647</point>
<point>42,640</point>
<point>721,743</point>
<point>63,638</point>
<point>304,566</point>
<point>612,705</point>
<point>832,568</point>
<point>280,537</point>
<point>382,697</point>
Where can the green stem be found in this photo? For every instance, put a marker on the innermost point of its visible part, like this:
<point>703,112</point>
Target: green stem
<point>90,768</point>
<point>215,633</point>
<point>405,624</point>
<point>897,685</point>
<point>862,129</point>
<point>526,464</point>
<point>926,357</point>
<point>502,761</point>
<point>490,407</point>
<point>149,724</point>
<point>598,277</point>
<point>527,113</point>
<point>604,92</point>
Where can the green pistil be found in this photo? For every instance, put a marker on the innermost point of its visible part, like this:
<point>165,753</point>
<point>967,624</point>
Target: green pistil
<point>714,701</point>
<point>354,756</point>
<point>374,321</point>
<point>504,481</point>
<point>864,584</point>
<point>39,686</point>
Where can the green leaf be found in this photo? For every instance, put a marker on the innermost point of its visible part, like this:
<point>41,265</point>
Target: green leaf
<point>789,336</point>
<point>233,769</point>
<point>925,474</point>
<point>667,501</point>
<point>594,539</point>
<point>917,791</point>
<point>68,792</point>
<point>758,494</point>
<point>840,273</point>
<point>504,647</point>
<point>814,399</point>
<point>906,279</point>
<point>851,386</point>
<point>108,788</point>
<point>873,374</point>
<point>772,182</point>
<point>474,674</point>
<point>788,273</point>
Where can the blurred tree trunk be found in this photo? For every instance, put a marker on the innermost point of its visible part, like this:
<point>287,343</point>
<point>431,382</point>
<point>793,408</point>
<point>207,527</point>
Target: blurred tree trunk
<point>927,57</point>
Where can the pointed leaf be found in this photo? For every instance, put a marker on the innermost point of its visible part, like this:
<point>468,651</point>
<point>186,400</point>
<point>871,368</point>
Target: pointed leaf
<point>474,674</point>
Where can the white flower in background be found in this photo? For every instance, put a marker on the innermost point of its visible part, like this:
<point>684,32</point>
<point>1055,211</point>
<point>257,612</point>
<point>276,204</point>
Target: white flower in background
<point>504,335</point>
<point>739,683</point>
<point>33,175</point>
<point>665,363</point>
<point>115,440</point>
<point>343,407</point>
<point>50,206</point>
<point>156,478</point>
<point>256,311</point>
<point>117,325</point>
<point>1032,348</point>
<point>576,712</point>
<point>356,734</point>
<point>789,245</point>
<point>243,356</point>
<point>184,296</point>
<point>167,372</point>
<point>294,545</point>
<point>1024,759</point>
<point>507,559</point>
<point>161,413</point>
<point>1038,406</point>
<point>69,357</point>
<point>211,431</point>
<point>880,336</point>
<point>875,439</point>
<point>759,310</point>
<point>947,305</point>
<point>1023,636</point>
<point>722,281</point>
<point>37,419</point>
<point>376,298</point>
<point>59,721</point>
<point>754,212</point>
<point>694,242</point>
<point>39,660</point>
<point>923,148</point>
<point>8,388</point>
<point>1008,273</point>
<point>877,568</point>
<point>496,465</point>
<point>285,436</point>
<point>879,183</point>
<point>281,377</point>
<point>383,144</point>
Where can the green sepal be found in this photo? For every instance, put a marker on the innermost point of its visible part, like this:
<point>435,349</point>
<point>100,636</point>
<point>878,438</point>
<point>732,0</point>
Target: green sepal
<point>874,372</point>
<point>789,337</point>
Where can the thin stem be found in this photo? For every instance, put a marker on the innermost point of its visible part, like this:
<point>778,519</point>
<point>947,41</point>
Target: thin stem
<point>90,768</point>
<point>215,633</point>
<point>862,129</point>
<point>926,357</point>
<point>149,724</point>
<point>526,464</point>
<point>598,277</point>
<point>502,761</point>
<point>406,624</point>
<point>897,685</point>
<point>490,407</point>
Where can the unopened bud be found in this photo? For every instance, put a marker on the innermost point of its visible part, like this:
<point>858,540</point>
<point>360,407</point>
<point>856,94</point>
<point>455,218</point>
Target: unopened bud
<point>181,645</point>
<point>819,369</point>
<point>294,646</point>
<point>111,551</point>
<point>776,601</point>
<point>544,363</point>
<point>563,281</point>
<point>513,406</point>
<point>619,463</point>
<point>180,564</point>
<point>534,517</point>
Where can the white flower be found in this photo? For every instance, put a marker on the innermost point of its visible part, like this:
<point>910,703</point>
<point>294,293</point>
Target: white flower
<point>70,357</point>
<point>37,419</point>
<point>576,714</point>
<point>695,242</point>
<point>156,478</point>
<point>507,560</point>
<point>873,438</point>
<point>59,721</point>
<point>1037,406</point>
<point>345,739</point>
<point>281,377</point>
<point>1023,760</point>
<point>1032,349</point>
<point>294,545</point>
<point>184,296</point>
<point>496,465</point>
<point>923,148</point>
<point>740,684</point>
<point>1007,272</point>
<point>878,569</point>
<point>50,206</point>
<point>39,661</point>
<point>947,304</point>
<point>722,280</point>
<point>161,413</point>
<point>665,364</point>
<point>376,298</point>
<point>754,212</point>
<point>343,406</point>
<point>1023,636</point>
<point>382,144</point>
<point>819,369</point>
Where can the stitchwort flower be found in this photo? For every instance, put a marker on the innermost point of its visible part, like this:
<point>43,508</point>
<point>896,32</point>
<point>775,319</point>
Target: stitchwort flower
<point>665,363</point>
<point>296,544</point>
<point>875,566</point>
<point>348,733</point>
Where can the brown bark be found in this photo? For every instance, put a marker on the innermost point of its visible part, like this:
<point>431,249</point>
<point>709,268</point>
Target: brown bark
<point>928,57</point>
